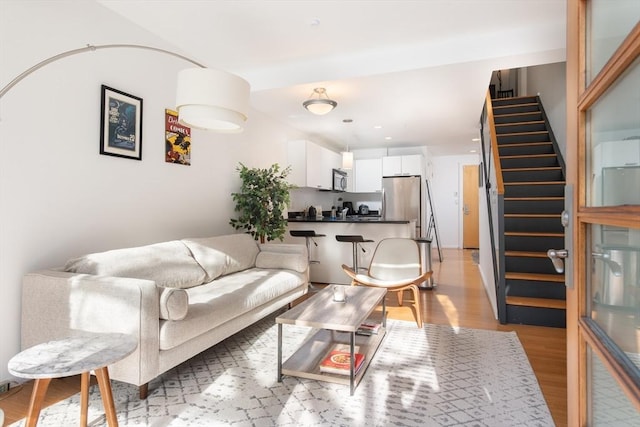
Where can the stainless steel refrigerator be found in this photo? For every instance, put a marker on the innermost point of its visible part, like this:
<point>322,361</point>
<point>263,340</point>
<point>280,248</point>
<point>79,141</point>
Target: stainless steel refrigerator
<point>402,200</point>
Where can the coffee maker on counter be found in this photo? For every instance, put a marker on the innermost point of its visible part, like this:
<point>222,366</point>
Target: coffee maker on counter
<point>348,205</point>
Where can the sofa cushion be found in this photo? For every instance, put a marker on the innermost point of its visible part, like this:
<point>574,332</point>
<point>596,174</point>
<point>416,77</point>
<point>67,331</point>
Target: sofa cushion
<point>169,264</point>
<point>296,262</point>
<point>222,255</point>
<point>174,303</point>
<point>226,298</point>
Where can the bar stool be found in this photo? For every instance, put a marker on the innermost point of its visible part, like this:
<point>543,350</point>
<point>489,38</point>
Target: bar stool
<point>355,240</point>
<point>308,237</point>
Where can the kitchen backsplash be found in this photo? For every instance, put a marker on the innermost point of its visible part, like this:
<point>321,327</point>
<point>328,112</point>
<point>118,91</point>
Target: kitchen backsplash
<point>302,198</point>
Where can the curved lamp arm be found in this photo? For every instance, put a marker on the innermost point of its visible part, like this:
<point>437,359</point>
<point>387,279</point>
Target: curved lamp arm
<point>88,48</point>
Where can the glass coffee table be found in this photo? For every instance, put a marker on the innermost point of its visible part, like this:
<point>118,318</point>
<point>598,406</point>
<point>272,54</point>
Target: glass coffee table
<point>337,324</point>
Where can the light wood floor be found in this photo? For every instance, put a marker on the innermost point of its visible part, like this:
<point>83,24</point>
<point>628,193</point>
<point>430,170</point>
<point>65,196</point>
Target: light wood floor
<point>459,299</point>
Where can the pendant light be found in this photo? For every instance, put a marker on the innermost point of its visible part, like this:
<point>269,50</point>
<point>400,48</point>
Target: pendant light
<point>319,102</point>
<point>347,159</point>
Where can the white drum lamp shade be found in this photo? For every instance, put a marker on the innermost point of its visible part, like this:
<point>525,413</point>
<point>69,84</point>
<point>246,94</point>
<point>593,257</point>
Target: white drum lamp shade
<point>212,99</point>
<point>347,160</point>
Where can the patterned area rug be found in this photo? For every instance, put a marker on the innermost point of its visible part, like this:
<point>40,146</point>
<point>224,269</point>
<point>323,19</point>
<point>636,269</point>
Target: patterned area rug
<point>437,376</point>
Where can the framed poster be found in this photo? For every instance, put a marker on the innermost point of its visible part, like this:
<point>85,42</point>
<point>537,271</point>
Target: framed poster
<point>177,140</point>
<point>120,124</point>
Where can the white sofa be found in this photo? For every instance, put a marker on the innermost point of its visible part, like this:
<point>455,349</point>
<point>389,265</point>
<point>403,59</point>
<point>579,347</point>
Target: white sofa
<point>177,298</point>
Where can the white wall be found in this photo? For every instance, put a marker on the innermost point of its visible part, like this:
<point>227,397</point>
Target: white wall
<point>550,82</point>
<point>446,187</point>
<point>59,197</point>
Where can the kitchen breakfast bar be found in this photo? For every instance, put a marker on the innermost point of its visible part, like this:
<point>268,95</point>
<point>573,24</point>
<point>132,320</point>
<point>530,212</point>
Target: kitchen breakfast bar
<point>331,253</point>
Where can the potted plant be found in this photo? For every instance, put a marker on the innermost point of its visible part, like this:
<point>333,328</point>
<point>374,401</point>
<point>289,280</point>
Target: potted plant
<point>262,201</point>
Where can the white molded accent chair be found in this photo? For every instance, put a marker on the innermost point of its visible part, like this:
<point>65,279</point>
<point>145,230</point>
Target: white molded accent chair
<point>396,266</point>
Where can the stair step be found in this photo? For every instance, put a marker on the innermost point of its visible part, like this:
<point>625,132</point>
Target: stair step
<point>533,205</point>
<point>528,161</point>
<point>534,189</point>
<point>532,242</point>
<point>528,156</point>
<point>557,278</point>
<point>516,100</point>
<point>532,216</point>
<point>517,117</point>
<point>532,234</point>
<point>527,148</point>
<point>538,316</point>
<point>528,264</point>
<point>531,169</point>
<point>501,110</point>
<point>516,128</point>
<point>526,254</point>
<point>522,137</point>
<point>537,302</point>
<point>542,174</point>
<point>533,223</point>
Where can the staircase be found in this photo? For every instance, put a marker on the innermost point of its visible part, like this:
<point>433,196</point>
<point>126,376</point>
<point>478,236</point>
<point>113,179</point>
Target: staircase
<point>533,177</point>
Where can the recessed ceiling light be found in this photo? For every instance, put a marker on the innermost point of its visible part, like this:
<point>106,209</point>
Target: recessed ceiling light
<point>473,151</point>
<point>388,138</point>
<point>476,139</point>
<point>377,127</point>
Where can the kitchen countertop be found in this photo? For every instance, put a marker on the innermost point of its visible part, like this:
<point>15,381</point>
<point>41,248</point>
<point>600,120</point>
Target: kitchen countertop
<point>352,219</point>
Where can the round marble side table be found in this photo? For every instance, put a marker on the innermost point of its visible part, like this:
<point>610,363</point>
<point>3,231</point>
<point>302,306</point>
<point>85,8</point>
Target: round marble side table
<point>77,354</point>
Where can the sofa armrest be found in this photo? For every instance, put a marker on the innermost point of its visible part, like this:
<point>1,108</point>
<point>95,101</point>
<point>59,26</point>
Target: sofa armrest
<point>285,256</point>
<point>56,302</point>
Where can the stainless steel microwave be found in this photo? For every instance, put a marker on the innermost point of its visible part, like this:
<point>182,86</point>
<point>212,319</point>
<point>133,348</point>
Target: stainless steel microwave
<point>339,180</point>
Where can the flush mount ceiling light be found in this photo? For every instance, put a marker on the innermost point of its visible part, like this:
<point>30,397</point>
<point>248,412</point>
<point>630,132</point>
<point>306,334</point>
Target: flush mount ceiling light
<point>212,99</point>
<point>319,102</point>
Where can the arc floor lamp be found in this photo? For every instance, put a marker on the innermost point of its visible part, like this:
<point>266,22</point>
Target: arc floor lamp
<point>206,98</point>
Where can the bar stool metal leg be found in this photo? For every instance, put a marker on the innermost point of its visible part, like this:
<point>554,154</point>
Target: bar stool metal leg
<point>309,236</point>
<point>355,240</point>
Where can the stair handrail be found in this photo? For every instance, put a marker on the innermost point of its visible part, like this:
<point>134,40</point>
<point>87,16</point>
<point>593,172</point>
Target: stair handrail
<point>494,145</point>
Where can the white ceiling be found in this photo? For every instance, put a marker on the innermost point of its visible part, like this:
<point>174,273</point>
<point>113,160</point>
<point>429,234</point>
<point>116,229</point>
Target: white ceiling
<point>419,69</point>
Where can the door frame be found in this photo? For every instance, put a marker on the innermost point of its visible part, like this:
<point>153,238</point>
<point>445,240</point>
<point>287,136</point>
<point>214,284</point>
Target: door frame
<point>579,331</point>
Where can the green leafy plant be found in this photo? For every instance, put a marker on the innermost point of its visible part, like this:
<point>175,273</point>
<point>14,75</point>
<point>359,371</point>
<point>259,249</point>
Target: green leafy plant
<point>262,201</point>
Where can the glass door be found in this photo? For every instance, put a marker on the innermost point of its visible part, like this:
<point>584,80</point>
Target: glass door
<point>603,168</point>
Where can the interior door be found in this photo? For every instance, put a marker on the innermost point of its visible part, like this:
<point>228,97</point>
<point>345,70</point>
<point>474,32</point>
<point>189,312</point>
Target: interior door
<point>470,218</point>
<point>603,298</point>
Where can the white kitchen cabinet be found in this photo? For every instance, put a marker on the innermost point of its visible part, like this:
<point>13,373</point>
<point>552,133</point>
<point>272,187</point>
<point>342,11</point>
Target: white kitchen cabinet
<point>402,165</point>
<point>621,153</point>
<point>368,175</point>
<point>311,164</point>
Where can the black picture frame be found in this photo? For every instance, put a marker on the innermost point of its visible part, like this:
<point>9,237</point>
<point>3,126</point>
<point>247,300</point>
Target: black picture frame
<point>120,124</point>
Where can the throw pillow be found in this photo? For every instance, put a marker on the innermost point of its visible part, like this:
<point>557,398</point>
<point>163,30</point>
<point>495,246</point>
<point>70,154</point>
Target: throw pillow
<point>169,264</point>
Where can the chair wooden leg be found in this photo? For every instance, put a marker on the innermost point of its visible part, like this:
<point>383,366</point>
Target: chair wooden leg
<point>416,304</point>
<point>400,295</point>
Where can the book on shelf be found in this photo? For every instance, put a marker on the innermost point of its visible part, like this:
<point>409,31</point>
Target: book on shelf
<point>369,327</point>
<point>339,362</point>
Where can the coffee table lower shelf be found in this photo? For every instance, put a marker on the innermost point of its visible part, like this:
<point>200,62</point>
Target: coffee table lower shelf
<point>305,362</point>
